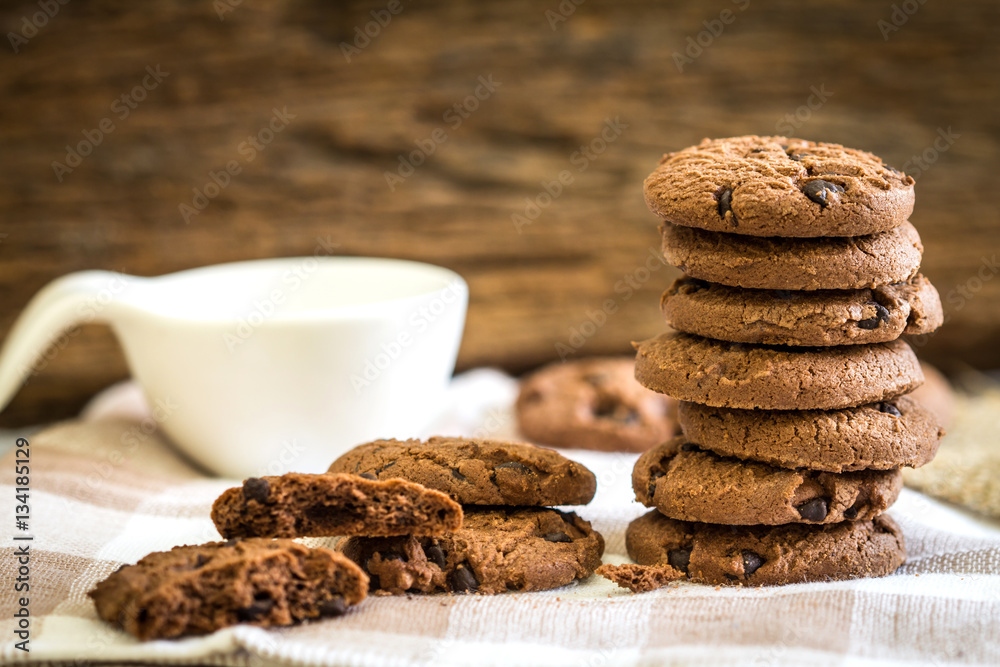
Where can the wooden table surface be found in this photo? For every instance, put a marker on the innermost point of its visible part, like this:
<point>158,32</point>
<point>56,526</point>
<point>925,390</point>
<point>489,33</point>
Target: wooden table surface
<point>500,100</point>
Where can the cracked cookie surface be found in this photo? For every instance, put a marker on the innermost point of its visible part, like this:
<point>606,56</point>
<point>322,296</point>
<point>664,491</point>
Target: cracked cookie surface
<point>594,404</point>
<point>332,504</point>
<point>496,550</point>
<point>197,589</point>
<point>806,318</point>
<point>476,472</point>
<point>779,186</point>
<point>688,483</point>
<point>774,263</point>
<point>880,436</point>
<point>767,555</point>
<point>738,375</point>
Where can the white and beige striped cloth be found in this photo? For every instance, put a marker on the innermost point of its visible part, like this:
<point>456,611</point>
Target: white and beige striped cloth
<point>104,492</point>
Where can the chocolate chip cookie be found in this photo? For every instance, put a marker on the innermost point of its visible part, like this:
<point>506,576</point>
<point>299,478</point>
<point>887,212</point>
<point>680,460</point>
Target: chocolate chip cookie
<point>476,472</point>
<point>737,375</point>
<point>794,264</point>
<point>816,318</point>
<point>593,404</point>
<point>195,590</point>
<point>333,504</point>
<point>880,436</point>
<point>776,186</point>
<point>767,555</point>
<point>688,483</point>
<point>496,550</point>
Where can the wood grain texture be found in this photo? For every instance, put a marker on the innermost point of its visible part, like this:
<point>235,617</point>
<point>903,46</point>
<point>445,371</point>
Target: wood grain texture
<point>323,176</point>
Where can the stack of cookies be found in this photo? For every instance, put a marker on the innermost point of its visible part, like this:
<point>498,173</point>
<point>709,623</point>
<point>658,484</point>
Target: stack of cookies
<point>397,505</point>
<point>801,275</point>
<point>510,538</point>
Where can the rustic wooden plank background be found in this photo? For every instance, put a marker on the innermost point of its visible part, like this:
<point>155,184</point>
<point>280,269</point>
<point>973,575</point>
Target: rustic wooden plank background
<point>892,91</point>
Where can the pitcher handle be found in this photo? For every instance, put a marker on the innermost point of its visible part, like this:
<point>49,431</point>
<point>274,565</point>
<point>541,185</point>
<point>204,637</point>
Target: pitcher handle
<point>66,302</point>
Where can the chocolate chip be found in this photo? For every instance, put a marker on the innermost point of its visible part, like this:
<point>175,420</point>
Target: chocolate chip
<point>653,476</point>
<point>692,285</point>
<point>256,488</point>
<point>335,606</point>
<point>854,510</point>
<point>751,562</point>
<point>798,156</point>
<point>822,192</point>
<point>889,409</point>
<point>756,150</point>
<point>726,203</point>
<point>393,555</point>
<point>200,561</point>
<point>369,475</point>
<point>514,465</point>
<point>435,554</point>
<point>261,606</point>
<point>690,447</point>
<point>813,510</point>
<point>613,410</point>
<point>457,474</point>
<point>231,543</point>
<point>462,579</point>
<point>882,314</point>
<point>680,558</point>
<point>558,536</point>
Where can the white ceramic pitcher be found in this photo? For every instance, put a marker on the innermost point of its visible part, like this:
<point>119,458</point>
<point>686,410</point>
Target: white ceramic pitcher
<point>266,366</point>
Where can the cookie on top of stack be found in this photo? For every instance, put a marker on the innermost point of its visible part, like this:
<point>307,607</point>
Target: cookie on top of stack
<point>801,275</point>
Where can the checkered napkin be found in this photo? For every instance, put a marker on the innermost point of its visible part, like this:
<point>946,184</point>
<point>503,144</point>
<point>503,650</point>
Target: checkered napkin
<point>107,491</point>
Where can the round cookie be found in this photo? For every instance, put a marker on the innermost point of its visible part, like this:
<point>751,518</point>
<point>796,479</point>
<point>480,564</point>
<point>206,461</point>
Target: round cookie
<point>496,550</point>
<point>736,375</point>
<point>794,264</point>
<point>476,472</point>
<point>593,404</point>
<point>880,436</point>
<point>816,318</point>
<point>688,483</point>
<point>776,186</point>
<point>198,589</point>
<point>768,555</point>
